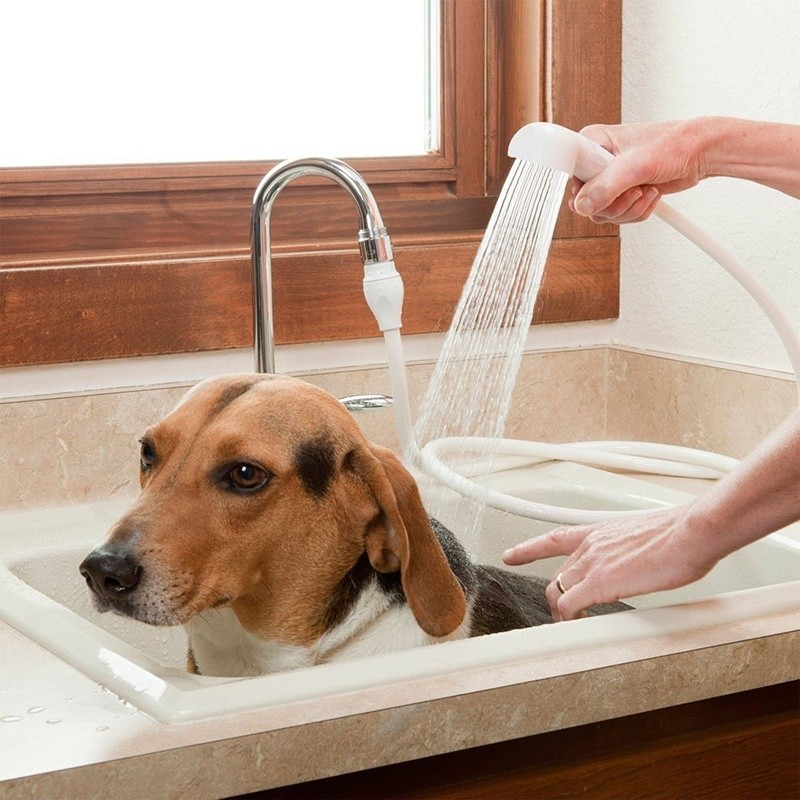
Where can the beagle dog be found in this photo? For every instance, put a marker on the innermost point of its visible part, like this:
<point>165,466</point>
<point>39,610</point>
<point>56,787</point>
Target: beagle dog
<point>280,538</point>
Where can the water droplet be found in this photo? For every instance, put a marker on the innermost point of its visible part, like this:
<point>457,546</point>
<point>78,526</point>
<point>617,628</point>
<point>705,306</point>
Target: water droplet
<point>53,721</point>
<point>102,728</point>
<point>36,710</point>
<point>11,718</point>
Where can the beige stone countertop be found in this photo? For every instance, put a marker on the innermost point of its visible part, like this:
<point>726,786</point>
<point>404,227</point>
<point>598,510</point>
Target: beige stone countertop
<point>62,735</point>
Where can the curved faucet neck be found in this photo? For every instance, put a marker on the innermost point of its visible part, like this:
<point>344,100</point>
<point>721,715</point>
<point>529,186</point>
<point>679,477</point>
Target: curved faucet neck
<point>373,240</point>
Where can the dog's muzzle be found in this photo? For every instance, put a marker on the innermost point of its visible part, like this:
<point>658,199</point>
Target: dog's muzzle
<point>111,574</point>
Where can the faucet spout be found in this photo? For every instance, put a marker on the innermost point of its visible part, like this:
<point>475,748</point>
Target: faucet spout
<point>373,240</point>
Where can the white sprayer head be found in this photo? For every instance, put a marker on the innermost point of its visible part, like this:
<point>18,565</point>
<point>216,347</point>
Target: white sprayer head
<point>560,149</point>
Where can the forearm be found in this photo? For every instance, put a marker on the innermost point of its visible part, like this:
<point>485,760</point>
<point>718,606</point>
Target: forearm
<point>764,152</point>
<point>760,496</point>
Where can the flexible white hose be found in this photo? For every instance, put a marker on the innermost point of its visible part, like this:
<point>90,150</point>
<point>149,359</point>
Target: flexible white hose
<point>515,505</point>
<point>645,457</point>
<point>736,269</point>
<point>634,456</point>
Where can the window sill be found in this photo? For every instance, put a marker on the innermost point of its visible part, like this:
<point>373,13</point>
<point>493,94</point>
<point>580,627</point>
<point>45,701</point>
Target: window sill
<point>21,384</point>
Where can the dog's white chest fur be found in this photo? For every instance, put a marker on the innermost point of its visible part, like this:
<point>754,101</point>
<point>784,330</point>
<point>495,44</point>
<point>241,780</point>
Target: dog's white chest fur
<point>221,646</point>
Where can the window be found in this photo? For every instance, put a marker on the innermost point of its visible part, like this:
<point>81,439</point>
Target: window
<point>184,81</point>
<point>112,261</point>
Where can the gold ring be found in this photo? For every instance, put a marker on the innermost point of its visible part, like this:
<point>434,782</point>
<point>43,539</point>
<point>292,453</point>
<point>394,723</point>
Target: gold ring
<point>560,585</point>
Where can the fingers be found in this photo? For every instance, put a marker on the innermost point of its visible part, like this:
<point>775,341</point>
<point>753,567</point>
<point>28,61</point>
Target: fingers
<point>559,542</point>
<point>623,557</point>
<point>624,173</point>
<point>622,205</point>
<point>633,205</point>
<point>602,135</point>
<point>641,209</point>
<point>564,583</point>
<point>554,594</point>
<point>571,603</point>
<point>612,192</point>
<point>580,594</point>
<point>574,602</point>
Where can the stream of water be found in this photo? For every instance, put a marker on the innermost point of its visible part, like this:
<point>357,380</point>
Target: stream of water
<point>470,391</point>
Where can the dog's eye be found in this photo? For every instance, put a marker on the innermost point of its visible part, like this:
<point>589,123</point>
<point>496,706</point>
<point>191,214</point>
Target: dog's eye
<point>247,477</point>
<point>147,455</point>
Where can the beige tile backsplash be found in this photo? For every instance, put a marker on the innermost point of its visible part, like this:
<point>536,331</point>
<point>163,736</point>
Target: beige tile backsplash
<point>69,450</point>
<point>662,399</point>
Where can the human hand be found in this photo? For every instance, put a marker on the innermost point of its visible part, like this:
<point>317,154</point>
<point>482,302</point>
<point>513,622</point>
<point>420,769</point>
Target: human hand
<point>652,160</point>
<point>621,558</point>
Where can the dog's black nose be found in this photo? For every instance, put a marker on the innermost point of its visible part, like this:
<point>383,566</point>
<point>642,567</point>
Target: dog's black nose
<point>110,574</point>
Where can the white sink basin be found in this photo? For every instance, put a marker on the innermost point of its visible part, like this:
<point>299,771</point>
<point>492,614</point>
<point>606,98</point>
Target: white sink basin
<point>43,596</point>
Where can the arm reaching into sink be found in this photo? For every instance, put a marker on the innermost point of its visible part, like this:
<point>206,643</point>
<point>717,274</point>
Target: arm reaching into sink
<point>669,548</point>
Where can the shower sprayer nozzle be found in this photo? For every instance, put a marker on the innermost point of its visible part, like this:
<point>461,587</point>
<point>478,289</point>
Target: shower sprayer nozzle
<point>559,149</point>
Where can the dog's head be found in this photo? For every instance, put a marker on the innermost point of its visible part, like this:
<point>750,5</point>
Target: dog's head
<point>261,493</point>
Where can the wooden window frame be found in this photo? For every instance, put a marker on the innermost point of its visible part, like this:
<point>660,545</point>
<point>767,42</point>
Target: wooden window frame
<point>109,262</point>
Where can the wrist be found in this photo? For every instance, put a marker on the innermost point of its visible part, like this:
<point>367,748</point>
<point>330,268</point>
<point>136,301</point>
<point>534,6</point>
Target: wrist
<point>698,535</point>
<point>707,142</point>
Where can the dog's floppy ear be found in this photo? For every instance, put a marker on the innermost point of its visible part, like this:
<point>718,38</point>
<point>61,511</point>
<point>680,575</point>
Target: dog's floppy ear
<point>402,538</point>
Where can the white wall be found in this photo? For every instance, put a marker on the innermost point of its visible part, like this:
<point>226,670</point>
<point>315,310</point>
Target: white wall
<point>684,58</point>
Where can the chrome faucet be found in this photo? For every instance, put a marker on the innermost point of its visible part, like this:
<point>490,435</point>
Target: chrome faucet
<point>373,242</point>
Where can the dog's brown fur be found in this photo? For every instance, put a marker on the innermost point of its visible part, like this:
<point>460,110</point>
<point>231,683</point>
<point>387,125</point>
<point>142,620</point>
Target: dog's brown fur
<point>277,555</point>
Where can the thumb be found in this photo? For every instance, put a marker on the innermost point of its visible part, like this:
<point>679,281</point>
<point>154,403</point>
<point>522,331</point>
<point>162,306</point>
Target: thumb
<point>602,134</point>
